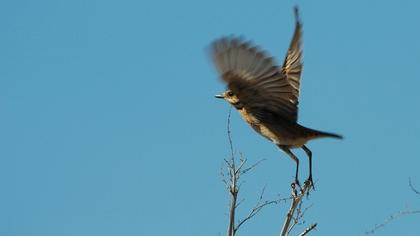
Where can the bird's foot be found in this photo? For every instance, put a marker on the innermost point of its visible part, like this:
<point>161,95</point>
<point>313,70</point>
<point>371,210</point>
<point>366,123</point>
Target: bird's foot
<point>310,183</point>
<point>296,183</point>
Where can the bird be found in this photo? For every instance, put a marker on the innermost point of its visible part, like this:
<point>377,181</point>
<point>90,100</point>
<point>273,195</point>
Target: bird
<point>267,95</point>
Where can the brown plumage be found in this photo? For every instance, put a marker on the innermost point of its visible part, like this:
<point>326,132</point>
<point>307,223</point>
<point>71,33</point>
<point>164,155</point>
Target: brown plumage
<point>266,95</point>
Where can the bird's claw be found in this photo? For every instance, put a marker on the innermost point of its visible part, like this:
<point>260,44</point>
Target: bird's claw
<point>310,183</point>
<point>296,183</point>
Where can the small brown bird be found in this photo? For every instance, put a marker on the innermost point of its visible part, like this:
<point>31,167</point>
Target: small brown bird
<point>266,95</point>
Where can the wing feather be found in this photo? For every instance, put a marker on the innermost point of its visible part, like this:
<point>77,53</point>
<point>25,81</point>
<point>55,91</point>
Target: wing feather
<point>252,75</point>
<point>292,65</point>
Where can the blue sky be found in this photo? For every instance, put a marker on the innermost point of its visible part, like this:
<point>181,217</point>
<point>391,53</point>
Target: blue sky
<point>108,123</point>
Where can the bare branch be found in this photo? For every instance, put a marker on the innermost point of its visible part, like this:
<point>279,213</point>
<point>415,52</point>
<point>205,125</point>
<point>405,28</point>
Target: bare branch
<point>229,133</point>
<point>242,163</point>
<point>295,206</point>
<point>307,230</point>
<point>231,182</point>
<point>258,207</point>
<point>231,227</point>
<point>239,203</point>
<point>234,171</point>
<point>253,166</point>
<point>231,179</point>
<point>391,218</point>
<point>299,216</point>
<point>412,187</point>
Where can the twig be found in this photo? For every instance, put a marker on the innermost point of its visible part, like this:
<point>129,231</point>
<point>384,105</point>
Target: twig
<point>391,218</point>
<point>235,174</point>
<point>231,183</point>
<point>253,166</point>
<point>239,169</point>
<point>231,178</point>
<point>258,207</point>
<point>295,205</point>
<point>229,133</point>
<point>307,230</point>
<point>412,187</point>
<point>231,227</point>
<point>299,215</point>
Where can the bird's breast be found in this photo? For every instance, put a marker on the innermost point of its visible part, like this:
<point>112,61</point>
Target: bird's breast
<point>278,134</point>
<point>257,125</point>
<point>248,117</point>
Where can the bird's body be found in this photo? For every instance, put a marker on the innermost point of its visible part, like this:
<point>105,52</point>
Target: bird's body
<point>281,131</point>
<point>266,95</point>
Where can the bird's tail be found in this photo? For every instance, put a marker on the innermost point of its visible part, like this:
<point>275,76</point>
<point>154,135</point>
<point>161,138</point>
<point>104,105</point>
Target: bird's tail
<point>321,134</point>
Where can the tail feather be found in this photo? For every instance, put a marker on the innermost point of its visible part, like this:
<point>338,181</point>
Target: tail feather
<point>327,134</point>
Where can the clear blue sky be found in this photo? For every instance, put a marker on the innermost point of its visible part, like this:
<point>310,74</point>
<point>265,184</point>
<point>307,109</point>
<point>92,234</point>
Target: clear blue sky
<point>108,123</point>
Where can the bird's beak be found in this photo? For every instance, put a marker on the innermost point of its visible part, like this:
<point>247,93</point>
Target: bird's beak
<point>219,96</point>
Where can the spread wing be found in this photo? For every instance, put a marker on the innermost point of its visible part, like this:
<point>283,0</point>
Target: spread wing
<point>260,85</point>
<point>292,65</point>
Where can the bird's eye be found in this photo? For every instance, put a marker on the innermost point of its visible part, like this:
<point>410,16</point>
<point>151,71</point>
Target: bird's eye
<point>230,94</point>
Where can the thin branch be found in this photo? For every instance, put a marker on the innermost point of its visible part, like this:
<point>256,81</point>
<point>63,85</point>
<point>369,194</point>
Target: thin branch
<point>412,187</point>
<point>391,218</point>
<point>307,230</point>
<point>240,202</point>
<point>255,211</point>
<point>234,171</point>
<point>295,205</point>
<point>242,163</point>
<point>295,219</point>
<point>299,216</point>
<point>231,227</point>
<point>231,182</point>
<point>229,133</point>
<point>258,207</point>
<point>253,166</point>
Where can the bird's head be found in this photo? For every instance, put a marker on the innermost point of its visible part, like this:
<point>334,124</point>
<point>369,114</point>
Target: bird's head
<point>229,96</point>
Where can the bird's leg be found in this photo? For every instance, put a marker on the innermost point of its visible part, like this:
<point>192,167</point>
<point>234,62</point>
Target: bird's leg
<point>291,155</point>
<point>309,153</point>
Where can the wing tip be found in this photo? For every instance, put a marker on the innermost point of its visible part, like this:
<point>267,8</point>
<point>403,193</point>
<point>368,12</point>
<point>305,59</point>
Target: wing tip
<point>297,14</point>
